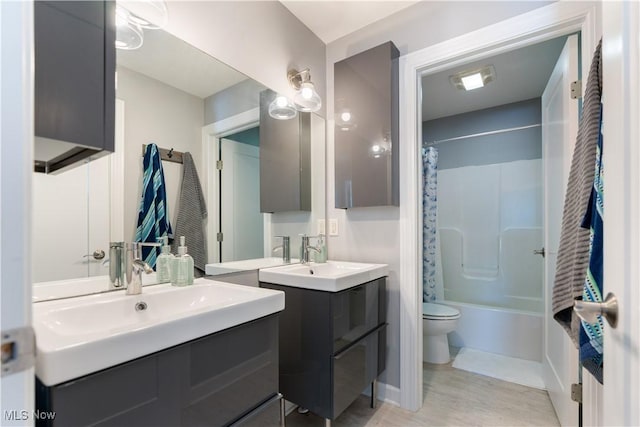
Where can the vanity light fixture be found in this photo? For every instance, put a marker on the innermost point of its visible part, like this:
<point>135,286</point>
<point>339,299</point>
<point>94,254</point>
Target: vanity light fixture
<point>133,16</point>
<point>128,33</point>
<point>281,108</point>
<point>148,14</point>
<point>382,148</point>
<point>473,79</point>
<point>345,121</point>
<point>306,98</point>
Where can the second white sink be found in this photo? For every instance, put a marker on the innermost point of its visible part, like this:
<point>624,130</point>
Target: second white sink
<point>332,276</point>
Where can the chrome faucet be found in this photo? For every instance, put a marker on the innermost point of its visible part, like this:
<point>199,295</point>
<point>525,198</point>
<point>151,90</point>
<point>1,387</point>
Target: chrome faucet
<point>134,266</point>
<point>286,249</point>
<point>116,263</point>
<point>304,248</point>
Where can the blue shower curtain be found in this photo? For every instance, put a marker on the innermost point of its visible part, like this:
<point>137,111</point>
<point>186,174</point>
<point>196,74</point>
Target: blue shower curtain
<point>429,214</point>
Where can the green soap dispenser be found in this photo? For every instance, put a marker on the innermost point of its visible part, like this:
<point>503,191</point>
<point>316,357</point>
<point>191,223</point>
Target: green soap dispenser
<point>164,263</point>
<point>183,266</point>
<point>321,255</point>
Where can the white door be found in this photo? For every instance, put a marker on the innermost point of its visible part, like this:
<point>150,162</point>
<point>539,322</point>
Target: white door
<point>71,211</point>
<point>559,130</point>
<point>80,210</point>
<point>620,399</point>
<point>242,223</point>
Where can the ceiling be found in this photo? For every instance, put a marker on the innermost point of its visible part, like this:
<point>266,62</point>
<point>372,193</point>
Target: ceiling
<point>330,20</point>
<point>520,74</point>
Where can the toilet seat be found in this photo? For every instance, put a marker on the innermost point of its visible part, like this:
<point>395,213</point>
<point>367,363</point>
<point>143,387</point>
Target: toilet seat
<point>435,311</point>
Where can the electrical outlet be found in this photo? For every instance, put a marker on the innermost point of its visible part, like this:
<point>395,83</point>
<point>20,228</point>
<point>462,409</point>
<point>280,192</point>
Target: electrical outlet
<point>322,227</point>
<point>333,227</point>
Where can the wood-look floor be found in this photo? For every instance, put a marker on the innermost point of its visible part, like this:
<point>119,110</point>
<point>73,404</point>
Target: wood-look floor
<point>452,397</point>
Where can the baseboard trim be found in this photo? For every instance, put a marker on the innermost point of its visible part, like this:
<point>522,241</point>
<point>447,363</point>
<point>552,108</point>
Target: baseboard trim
<point>386,393</point>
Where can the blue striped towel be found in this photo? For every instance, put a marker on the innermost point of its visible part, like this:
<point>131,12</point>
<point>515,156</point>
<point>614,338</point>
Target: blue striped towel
<point>153,216</point>
<point>591,354</point>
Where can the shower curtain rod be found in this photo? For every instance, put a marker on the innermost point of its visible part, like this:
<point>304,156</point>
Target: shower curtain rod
<point>491,132</point>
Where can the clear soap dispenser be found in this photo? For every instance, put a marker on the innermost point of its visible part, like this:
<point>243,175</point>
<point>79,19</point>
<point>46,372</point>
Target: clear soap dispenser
<point>321,255</point>
<point>183,266</point>
<point>164,263</point>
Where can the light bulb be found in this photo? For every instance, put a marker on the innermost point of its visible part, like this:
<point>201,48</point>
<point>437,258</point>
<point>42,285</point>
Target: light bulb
<point>346,116</point>
<point>307,92</point>
<point>375,148</point>
<point>281,101</point>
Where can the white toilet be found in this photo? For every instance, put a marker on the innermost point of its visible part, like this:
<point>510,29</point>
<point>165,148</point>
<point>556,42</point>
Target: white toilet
<point>437,321</point>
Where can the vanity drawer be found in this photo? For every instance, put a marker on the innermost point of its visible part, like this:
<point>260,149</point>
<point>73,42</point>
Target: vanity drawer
<point>354,368</point>
<point>355,312</point>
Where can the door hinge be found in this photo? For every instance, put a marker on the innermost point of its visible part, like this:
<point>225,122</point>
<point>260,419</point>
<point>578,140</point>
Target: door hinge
<point>219,237</point>
<point>219,165</point>
<point>576,392</point>
<point>18,350</point>
<point>576,89</point>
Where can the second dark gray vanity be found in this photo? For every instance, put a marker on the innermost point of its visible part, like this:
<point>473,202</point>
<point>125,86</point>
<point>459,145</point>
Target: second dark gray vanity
<point>332,345</point>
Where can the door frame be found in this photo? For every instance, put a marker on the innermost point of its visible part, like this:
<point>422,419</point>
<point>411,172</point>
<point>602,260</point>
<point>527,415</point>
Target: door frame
<point>541,24</point>
<point>17,390</point>
<point>211,135</point>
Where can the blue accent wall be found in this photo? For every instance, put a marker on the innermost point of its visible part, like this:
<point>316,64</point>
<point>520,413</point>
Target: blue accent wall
<point>249,136</point>
<point>523,144</point>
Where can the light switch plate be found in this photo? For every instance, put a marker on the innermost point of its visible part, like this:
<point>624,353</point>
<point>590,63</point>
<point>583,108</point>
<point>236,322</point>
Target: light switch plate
<point>333,227</point>
<point>322,227</point>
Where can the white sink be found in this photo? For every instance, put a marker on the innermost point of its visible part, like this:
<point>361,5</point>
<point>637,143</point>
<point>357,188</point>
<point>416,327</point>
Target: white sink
<point>244,265</point>
<point>332,276</point>
<point>78,336</point>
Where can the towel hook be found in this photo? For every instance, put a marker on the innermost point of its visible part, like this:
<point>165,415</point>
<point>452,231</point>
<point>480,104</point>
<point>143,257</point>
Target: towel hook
<point>170,153</point>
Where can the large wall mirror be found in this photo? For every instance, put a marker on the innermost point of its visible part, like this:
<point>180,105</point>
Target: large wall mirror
<point>178,97</point>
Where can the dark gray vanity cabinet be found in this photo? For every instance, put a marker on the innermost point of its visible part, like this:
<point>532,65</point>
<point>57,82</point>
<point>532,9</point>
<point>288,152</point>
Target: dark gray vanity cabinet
<point>75,64</point>
<point>216,380</point>
<point>285,160</point>
<point>366,128</point>
<point>332,345</point>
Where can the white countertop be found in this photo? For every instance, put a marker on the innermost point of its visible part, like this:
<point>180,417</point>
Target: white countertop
<point>331,276</point>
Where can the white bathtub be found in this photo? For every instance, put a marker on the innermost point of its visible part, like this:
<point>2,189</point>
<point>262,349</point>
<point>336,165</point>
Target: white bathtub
<point>504,331</point>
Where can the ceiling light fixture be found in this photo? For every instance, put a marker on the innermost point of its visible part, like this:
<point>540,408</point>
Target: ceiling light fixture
<point>306,98</point>
<point>473,79</point>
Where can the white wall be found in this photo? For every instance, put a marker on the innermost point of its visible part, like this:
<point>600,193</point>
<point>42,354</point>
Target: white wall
<point>372,234</point>
<point>261,39</point>
<point>156,112</point>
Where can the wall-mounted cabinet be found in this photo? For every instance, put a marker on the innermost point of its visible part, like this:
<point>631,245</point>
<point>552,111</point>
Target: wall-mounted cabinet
<point>366,128</point>
<point>75,62</point>
<point>285,160</point>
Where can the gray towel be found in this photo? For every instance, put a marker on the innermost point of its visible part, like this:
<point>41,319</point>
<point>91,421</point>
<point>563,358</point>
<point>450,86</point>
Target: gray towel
<point>192,213</point>
<point>573,254</point>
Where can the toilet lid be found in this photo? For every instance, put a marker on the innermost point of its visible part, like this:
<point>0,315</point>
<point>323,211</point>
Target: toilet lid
<point>432,310</point>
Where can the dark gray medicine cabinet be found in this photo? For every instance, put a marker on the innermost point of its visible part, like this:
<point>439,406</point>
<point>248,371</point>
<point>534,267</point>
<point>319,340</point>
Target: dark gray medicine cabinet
<point>285,160</point>
<point>75,64</point>
<point>366,128</point>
